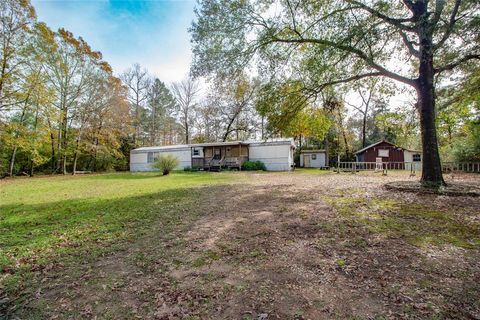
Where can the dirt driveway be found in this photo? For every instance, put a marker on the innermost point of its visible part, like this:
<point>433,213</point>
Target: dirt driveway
<point>291,246</point>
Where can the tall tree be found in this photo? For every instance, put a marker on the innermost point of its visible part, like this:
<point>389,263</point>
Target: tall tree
<point>160,103</point>
<point>138,82</point>
<point>16,19</point>
<point>371,93</point>
<point>186,93</point>
<point>324,43</point>
<point>70,72</point>
<point>233,98</point>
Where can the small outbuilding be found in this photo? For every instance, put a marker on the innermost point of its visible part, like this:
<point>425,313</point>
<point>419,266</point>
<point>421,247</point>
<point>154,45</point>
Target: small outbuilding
<point>313,159</point>
<point>386,152</point>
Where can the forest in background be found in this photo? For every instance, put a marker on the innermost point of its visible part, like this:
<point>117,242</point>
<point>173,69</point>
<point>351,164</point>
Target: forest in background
<point>63,110</point>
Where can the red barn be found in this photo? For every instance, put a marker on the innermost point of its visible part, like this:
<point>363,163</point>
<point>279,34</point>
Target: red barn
<point>384,151</point>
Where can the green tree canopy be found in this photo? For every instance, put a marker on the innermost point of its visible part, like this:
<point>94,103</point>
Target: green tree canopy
<point>323,43</point>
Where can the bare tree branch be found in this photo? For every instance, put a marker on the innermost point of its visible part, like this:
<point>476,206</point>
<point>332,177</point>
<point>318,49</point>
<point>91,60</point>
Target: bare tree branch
<point>409,44</point>
<point>454,64</point>
<point>360,54</point>
<point>450,26</point>
<point>392,21</point>
<point>345,80</point>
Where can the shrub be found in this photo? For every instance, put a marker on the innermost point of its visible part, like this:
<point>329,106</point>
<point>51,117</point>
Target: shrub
<point>166,163</point>
<point>254,165</point>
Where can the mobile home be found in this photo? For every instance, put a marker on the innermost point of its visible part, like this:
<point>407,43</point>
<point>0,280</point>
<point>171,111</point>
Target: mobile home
<point>277,155</point>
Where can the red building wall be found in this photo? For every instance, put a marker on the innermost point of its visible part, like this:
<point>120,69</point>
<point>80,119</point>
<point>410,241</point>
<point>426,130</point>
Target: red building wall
<point>395,154</point>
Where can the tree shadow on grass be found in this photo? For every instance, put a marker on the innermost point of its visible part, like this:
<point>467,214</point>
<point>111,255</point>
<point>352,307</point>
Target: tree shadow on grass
<point>38,236</point>
<point>125,176</point>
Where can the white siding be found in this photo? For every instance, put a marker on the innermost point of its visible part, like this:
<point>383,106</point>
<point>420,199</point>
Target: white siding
<point>408,158</point>
<point>138,159</point>
<point>276,157</point>
<point>317,163</point>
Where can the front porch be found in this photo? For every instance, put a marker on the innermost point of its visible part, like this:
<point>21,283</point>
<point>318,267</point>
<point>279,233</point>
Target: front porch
<point>218,156</point>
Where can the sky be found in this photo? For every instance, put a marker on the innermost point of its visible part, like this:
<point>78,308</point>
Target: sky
<point>153,33</point>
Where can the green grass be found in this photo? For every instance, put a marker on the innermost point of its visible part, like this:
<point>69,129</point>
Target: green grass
<point>50,220</point>
<point>312,171</point>
<point>419,224</point>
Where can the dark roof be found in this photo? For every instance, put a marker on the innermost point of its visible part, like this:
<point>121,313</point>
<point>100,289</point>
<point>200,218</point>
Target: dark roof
<point>313,151</point>
<point>375,144</point>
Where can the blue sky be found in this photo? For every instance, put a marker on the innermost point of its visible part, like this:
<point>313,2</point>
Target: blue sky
<point>152,33</point>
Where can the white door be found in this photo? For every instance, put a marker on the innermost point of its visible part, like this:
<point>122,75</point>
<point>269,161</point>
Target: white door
<point>306,160</point>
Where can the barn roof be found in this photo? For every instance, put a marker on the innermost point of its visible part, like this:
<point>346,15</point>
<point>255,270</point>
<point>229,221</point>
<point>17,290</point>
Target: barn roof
<point>375,144</point>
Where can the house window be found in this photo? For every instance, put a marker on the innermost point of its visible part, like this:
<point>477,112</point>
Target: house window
<point>383,153</point>
<point>417,157</point>
<point>150,157</point>
<point>314,157</point>
<point>196,152</point>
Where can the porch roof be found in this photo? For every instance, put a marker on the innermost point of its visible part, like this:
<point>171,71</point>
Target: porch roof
<point>220,144</point>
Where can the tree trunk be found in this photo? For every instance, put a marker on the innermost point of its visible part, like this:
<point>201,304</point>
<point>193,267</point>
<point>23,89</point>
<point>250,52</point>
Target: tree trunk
<point>14,152</point>
<point>32,167</point>
<point>263,124</point>
<point>52,140</point>
<point>35,125</point>
<point>327,160</point>
<point>12,162</point>
<point>364,130</point>
<point>75,157</point>
<point>64,141</point>
<point>431,166</point>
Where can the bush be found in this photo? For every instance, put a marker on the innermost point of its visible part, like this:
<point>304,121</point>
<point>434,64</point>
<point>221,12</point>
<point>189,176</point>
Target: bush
<point>253,166</point>
<point>166,163</point>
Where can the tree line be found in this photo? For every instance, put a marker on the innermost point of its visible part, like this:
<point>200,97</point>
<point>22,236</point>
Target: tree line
<point>306,48</point>
<point>320,77</point>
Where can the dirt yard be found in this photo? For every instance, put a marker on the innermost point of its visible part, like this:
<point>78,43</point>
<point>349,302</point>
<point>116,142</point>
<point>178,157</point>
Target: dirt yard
<point>288,246</point>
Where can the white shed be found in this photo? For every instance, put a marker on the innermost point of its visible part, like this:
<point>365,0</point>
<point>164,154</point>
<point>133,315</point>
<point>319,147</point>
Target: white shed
<point>413,159</point>
<point>313,158</point>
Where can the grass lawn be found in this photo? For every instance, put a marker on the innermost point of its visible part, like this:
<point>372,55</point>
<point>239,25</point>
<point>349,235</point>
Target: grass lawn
<point>49,220</point>
<point>308,244</point>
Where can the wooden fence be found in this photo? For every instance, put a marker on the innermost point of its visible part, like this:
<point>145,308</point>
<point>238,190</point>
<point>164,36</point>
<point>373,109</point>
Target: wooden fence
<point>461,166</point>
<point>410,166</point>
